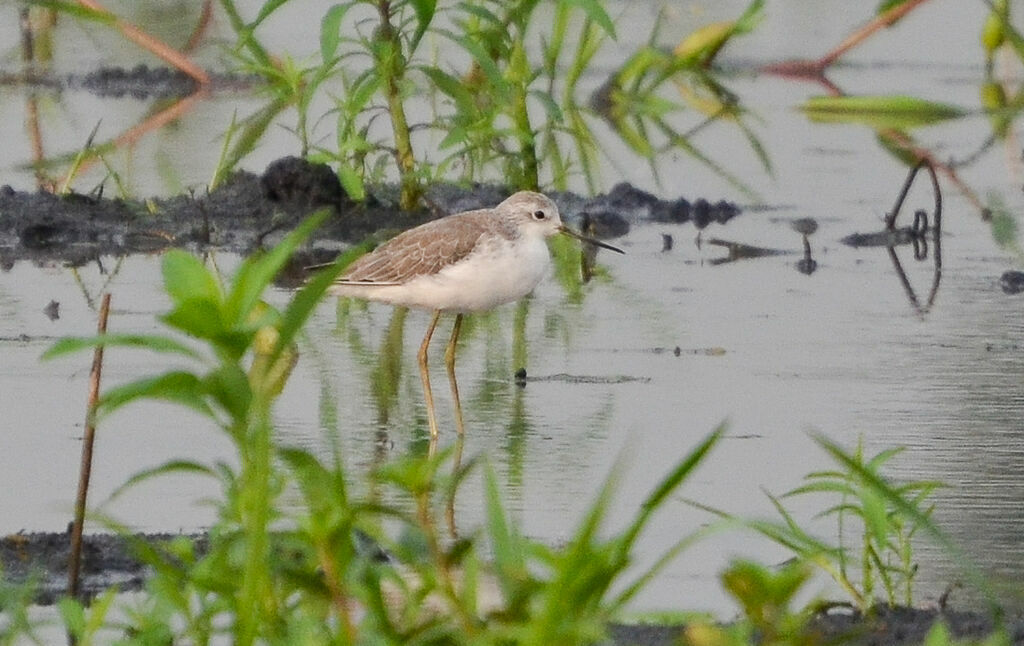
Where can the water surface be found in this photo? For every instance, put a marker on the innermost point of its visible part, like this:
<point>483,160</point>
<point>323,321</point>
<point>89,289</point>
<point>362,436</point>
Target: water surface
<point>775,353</point>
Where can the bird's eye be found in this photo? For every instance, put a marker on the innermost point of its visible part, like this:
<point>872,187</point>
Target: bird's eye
<point>539,215</point>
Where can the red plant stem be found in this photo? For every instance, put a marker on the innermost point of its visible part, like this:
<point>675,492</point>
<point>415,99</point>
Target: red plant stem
<point>75,557</point>
<point>857,37</point>
<point>815,69</point>
<point>153,44</point>
<point>152,123</point>
<point>205,18</point>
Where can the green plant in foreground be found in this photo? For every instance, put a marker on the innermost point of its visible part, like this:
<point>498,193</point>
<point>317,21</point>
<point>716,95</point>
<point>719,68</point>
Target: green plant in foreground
<point>273,571</point>
<point>15,620</point>
<point>939,635</point>
<point>887,515</point>
<point>765,597</point>
<point>238,329</point>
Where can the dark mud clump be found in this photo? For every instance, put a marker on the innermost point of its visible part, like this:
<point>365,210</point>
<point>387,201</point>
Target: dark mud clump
<point>248,212</point>
<point>883,626</point>
<point>140,82</point>
<point>1012,282</point>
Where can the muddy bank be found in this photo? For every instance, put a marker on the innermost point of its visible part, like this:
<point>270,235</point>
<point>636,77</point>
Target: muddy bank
<point>141,82</point>
<point>884,627</point>
<point>250,211</point>
<point>109,560</point>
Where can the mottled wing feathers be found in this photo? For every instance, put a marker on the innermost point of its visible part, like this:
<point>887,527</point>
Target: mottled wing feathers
<point>426,249</point>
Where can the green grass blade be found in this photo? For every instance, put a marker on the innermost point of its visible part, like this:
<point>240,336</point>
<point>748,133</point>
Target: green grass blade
<point>330,30</point>
<point>879,111</point>
<point>424,16</point>
<point>620,601</point>
<point>303,304</point>
<point>182,388</point>
<point>671,482</point>
<point>269,7</point>
<point>171,467</point>
<point>155,343</point>
<point>259,270</point>
<point>595,12</point>
<point>75,10</point>
<point>187,279</point>
<point>251,133</point>
<point>507,545</point>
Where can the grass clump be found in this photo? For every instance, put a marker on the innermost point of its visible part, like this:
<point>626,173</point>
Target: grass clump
<point>885,518</point>
<point>497,83</point>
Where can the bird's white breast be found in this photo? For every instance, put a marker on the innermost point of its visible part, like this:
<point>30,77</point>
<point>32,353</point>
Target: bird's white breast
<point>498,271</point>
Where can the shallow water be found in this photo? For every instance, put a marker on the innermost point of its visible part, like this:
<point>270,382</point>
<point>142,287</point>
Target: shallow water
<point>775,353</point>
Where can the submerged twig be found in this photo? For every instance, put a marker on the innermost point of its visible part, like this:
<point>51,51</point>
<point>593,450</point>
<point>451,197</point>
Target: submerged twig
<point>919,232</point>
<point>75,557</point>
<point>890,218</point>
<point>27,44</point>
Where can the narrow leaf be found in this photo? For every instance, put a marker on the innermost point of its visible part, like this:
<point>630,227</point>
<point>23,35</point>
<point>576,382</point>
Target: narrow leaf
<point>259,270</point>
<point>424,15</point>
<point>303,304</point>
<point>672,481</point>
<point>330,30</point>
<point>971,568</point>
<point>595,12</point>
<point>180,387</point>
<point>187,279</point>
<point>508,549</point>
<point>172,467</point>
<point>76,10</point>
<point>155,343</point>
<point>269,7</point>
<point>879,111</point>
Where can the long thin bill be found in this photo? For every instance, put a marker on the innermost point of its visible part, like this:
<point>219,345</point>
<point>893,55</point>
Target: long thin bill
<point>579,236</point>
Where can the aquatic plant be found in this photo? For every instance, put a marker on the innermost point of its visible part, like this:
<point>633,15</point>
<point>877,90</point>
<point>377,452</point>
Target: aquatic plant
<point>886,517</point>
<point>887,531</point>
<point>487,120</point>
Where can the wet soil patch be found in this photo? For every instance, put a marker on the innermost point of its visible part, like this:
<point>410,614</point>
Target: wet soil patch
<point>248,212</point>
<point>883,626</point>
<point>141,82</point>
<point>110,561</point>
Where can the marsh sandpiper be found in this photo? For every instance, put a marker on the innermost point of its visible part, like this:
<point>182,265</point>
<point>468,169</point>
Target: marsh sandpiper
<point>467,262</point>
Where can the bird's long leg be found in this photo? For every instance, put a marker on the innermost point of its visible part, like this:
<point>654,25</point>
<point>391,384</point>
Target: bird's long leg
<point>449,362</point>
<point>449,508</point>
<point>425,375</point>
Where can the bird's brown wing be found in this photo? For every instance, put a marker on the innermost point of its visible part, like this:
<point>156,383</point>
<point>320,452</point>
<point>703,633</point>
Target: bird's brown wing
<point>426,249</point>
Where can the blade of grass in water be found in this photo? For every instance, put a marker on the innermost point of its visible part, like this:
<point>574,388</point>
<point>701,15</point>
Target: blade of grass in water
<point>879,111</point>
